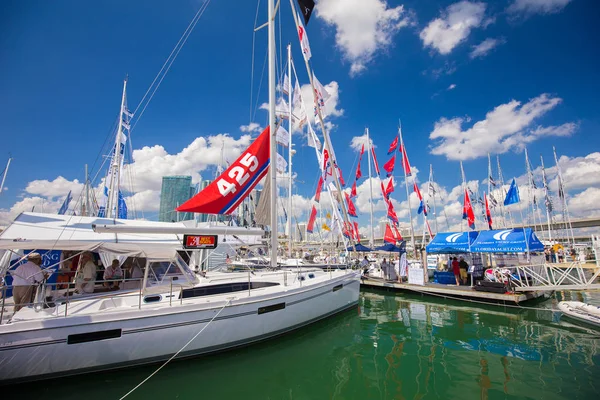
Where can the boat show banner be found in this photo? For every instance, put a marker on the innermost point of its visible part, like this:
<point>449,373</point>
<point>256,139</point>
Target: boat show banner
<point>517,240</point>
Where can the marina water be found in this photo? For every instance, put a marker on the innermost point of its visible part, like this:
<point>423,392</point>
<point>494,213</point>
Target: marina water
<point>394,346</point>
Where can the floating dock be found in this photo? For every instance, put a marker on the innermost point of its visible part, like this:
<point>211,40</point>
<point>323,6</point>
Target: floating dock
<point>454,292</point>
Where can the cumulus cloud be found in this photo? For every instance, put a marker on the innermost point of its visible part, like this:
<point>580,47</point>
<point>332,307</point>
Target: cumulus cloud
<point>452,86</point>
<point>251,127</point>
<point>357,142</point>
<point>59,187</point>
<point>363,27</point>
<point>503,129</point>
<point>483,48</point>
<point>528,7</point>
<point>454,26</point>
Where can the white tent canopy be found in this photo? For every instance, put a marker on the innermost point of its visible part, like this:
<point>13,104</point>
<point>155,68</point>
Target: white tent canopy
<point>37,231</point>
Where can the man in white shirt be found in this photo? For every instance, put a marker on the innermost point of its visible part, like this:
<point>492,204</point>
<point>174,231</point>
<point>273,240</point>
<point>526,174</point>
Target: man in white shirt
<point>86,277</point>
<point>112,275</point>
<point>25,279</point>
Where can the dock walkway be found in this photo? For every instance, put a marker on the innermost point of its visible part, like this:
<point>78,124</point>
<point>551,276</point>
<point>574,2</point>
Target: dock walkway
<point>454,292</point>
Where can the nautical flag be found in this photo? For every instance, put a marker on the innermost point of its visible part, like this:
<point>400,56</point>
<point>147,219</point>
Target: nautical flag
<point>122,210</point>
<point>313,140</point>
<point>397,233</point>
<point>321,96</point>
<point>353,190</point>
<point>358,171</point>
<point>65,205</point>
<point>512,196</point>
<point>281,164</point>
<point>362,151</point>
<point>283,137</point>
<point>328,215</point>
<point>356,232</point>
<point>281,110</point>
<point>488,214</point>
<point>393,146</point>
<point>432,188</point>
<point>311,220</point>
<point>389,235</point>
<point>492,181</point>
<point>346,231</point>
<point>351,207</point>
<point>391,214</point>
<point>286,85</point>
<point>405,162</point>
<point>468,213</point>
<point>341,176</point>
<point>389,166</point>
<point>422,207</point>
<point>561,189</point>
<point>325,227</point>
<point>493,200</point>
<point>319,188</point>
<point>383,191</point>
<point>375,160</point>
<point>389,188</point>
<point>304,45</point>
<point>325,168</point>
<point>306,8</point>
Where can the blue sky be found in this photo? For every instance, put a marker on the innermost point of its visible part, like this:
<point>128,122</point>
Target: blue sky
<point>63,63</point>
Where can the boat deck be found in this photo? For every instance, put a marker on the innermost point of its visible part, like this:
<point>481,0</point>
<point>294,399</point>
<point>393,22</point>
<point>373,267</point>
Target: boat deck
<point>454,292</point>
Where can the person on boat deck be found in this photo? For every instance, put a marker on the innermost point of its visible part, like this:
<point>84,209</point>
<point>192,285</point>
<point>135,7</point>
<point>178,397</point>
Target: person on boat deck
<point>364,264</point>
<point>25,279</point>
<point>456,270</point>
<point>385,267</point>
<point>464,267</point>
<point>112,275</point>
<point>86,277</point>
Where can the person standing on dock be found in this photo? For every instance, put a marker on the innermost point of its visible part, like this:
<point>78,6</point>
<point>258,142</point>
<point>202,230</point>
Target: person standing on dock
<point>364,264</point>
<point>385,267</point>
<point>456,270</point>
<point>464,267</point>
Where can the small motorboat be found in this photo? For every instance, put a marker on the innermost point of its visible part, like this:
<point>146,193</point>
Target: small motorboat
<point>581,311</point>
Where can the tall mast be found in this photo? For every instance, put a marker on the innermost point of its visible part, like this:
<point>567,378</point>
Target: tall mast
<point>372,241</point>
<point>464,187</point>
<point>289,221</point>
<point>272,132</point>
<point>563,195</point>
<point>547,200</point>
<point>87,192</point>
<point>430,188</point>
<point>326,137</point>
<point>503,193</point>
<point>114,178</point>
<point>412,229</point>
<point>531,182</point>
<point>4,175</point>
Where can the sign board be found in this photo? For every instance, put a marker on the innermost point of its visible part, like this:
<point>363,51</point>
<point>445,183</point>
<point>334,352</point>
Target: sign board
<point>195,242</point>
<point>416,277</point>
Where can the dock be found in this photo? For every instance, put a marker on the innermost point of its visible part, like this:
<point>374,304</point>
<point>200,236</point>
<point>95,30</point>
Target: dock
<point>454,292</point>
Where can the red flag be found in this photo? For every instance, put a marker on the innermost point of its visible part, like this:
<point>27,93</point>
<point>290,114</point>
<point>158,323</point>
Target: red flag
<point>362,151</point>
<point>353,191</point>
<point>325,166</point>
<point>389,166</point>
<point>389,235</point>
<point>358,171</point>
<point>319,188</point>
<point>393,146</point>
<point>468,213</point>
<point>356,232</point>
<point>405,162</point>
<point>349,233</point>
<point>391,214</point>
<point>417,191</point>
<point>390,188</point>
<point>341,177</point>
<point>397,233</point>
<point>311,220</point>
<point>225,194</point>
<point>488,214</point>
<point>375,160</point>
<point>351,207</point>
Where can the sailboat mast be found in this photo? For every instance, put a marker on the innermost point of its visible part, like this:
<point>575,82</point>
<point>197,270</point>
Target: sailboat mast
<point>412,228</point>
<point>114,178</point>
<point>430,188</point>
<point>272,132</point>
<point>464,187</point>
<point>372,241</point>
<point>562,194</point>
<point>547,200</point>
<point>4,175</point>
<point>501,183</point>
<point>289,221</point>
<point>87,192</point>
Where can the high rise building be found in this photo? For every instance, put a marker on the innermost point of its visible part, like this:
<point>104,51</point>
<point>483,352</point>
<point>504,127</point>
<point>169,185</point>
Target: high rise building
<point>203,185</point>
<point>175,191</point>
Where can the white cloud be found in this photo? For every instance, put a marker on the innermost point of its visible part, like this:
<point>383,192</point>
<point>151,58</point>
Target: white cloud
<point>358,141</point>
<point>251,127</point>
<point>453,26</point>
<point>147,200</point>
<point>528,7</point>
<point>585,204</point>
<point>483,48</point>
<point>452,86</point>
<point>59,187</point>
<point>363,27</point>
<point>36,203</point>
<point>503,129</point>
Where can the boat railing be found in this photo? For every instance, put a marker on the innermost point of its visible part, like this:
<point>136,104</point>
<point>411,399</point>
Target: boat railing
<point>552,276</point>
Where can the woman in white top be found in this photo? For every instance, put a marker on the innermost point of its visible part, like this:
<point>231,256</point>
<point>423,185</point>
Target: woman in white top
<point>86,277</point>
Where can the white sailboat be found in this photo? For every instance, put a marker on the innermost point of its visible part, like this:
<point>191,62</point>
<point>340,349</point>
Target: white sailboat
<point>172,311</point>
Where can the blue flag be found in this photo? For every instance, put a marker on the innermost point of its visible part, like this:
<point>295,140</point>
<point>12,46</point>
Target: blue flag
<point>512,196</point>
<point>65,206</point>
<point>122,214</point>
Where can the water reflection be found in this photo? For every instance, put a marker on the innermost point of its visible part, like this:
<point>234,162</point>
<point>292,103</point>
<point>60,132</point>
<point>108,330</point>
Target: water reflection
<point>392,347</point>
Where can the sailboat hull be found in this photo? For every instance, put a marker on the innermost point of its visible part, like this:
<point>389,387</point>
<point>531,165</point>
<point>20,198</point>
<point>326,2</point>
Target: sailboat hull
<point>89,344</point>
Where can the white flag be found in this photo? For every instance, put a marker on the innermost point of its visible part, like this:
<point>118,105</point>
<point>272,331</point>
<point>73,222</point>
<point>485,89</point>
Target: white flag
<point>283,137</point>
<point>286,85</point>
<point>313,140</point>
<point>303,40</point>
<point>321,95</point>
<point>282,110</point>
<point>281,164</point>
<point>297,99</point>
<point>299,112</point>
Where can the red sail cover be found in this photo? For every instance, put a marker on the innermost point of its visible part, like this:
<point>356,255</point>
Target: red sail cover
<point>389,235</point>
<point>393,146</point>
<point>311,220</point>
<point>468,213</point>
<point>389,166</point>
<point>227,191</point>
<point>405,162</point>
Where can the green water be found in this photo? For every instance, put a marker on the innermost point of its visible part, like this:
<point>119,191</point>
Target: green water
<point>393,347</point>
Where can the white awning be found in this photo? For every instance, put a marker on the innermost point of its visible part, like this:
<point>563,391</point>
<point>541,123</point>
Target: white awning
<point>30,231</point>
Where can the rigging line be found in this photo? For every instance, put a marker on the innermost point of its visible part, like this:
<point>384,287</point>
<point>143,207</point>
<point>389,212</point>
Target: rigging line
<point>260,84</point>
<point>180,350</point>
<point>170,62</point>
<point>252,66</point>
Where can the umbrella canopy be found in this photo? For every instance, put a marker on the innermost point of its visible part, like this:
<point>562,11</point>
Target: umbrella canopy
<point>359,247</point>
